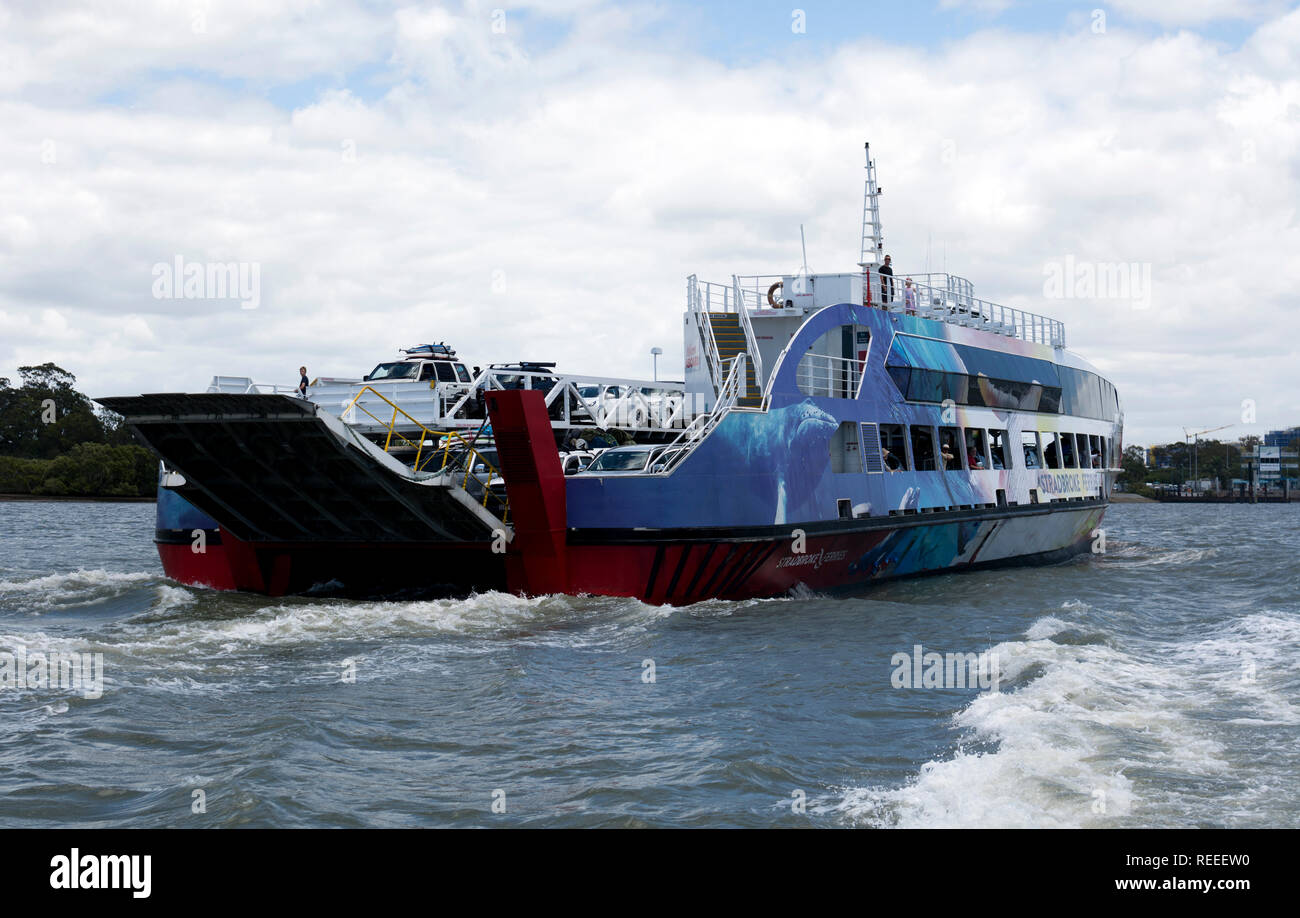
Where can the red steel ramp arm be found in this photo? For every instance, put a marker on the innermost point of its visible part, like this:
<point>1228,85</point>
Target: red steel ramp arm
<point>536,558</point>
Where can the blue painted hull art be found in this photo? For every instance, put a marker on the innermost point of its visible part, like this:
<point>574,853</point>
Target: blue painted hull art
<point>773,468</point>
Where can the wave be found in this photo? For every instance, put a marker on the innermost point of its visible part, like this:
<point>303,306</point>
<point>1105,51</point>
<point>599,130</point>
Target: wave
<point>1135,554</point>
<point>80,587</point>
<point>1083,724</point>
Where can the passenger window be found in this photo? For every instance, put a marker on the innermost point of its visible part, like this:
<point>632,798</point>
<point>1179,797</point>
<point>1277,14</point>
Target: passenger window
<point>462,374</point>
<point>1067,451</point>
<point>923,448</point>
<point>1029,441</point>
<point>893,447</point>
<point>426,372</point>
<point>950,449</point>
<point>1051,451</point>
<point>998,448</point>
<point>446,373</point>
<point>976,454</point>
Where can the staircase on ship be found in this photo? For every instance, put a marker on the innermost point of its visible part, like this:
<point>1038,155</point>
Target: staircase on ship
<point>730,338</point>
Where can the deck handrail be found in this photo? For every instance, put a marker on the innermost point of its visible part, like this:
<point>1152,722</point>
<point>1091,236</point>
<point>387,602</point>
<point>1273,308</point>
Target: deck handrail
<point>751,340</point>
<point>444,437</point>
<point>941,296</point>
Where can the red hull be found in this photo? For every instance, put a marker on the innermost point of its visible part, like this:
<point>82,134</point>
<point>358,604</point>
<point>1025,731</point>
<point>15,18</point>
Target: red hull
<point>277,569</point>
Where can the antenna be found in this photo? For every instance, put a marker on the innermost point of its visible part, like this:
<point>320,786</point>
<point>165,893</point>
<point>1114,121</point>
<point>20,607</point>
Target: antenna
<point>873,237</point>
<point>804,243</point>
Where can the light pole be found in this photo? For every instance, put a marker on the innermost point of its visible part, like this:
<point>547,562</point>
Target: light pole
<point>654,354</point>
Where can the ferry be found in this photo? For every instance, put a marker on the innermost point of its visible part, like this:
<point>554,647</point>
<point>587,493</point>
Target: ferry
<point>832,431</point>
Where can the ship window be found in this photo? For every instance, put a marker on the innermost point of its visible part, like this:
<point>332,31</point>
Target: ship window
<point>950,449</point>
<point>893,447</point>
<point>923,448</point>
<point>1095,454</point>
<point>1051,451</point>
<point>1106,462</point>
<point>1084,454</point>
<point>844,449</point>
<point>1029,442</point>
<point>1067,451</point>
<point>997,448</point>
<point>930,370</point>
<point>976,453</point>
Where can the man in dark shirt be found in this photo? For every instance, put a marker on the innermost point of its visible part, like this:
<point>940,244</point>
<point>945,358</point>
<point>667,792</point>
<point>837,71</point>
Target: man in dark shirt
<point>302,383</point>
<point>886,273</point>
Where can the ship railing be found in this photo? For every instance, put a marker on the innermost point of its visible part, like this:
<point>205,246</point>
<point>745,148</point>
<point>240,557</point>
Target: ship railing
<point>244,385</point>
<point>702,298</point>
<point>449,449</point>
<point>949,298</point>
<point>751,340</point>
<point>607,402</point>
<point>941,296</point>
<point>685,443</point>
<point>829,377</point>
<point>754,287</point>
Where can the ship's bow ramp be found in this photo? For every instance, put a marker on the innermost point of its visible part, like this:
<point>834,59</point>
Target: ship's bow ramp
<point>272,468</point>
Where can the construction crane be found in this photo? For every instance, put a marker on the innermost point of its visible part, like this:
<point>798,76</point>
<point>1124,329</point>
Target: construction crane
<point>1193,436</point>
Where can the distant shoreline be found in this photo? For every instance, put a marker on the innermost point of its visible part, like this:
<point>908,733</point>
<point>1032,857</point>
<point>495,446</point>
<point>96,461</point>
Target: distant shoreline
<point>71,498</point>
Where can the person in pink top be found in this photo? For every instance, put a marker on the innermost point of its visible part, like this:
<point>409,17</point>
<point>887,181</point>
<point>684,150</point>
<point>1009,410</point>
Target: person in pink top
<point>909,297</point>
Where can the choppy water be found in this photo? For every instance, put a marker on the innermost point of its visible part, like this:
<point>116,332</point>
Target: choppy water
<point>1157,684</point>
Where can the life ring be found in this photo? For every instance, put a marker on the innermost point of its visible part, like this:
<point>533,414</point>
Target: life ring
<point>771,298</point>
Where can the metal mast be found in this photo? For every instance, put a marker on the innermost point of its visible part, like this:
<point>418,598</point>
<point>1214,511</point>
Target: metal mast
<point>873,238</point>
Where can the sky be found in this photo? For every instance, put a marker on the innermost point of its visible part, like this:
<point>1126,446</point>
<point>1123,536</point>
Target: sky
<point>537,180</point>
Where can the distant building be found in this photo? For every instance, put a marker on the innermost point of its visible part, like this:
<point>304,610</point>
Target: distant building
<point>1272,465</point>
<point>1281,438</point>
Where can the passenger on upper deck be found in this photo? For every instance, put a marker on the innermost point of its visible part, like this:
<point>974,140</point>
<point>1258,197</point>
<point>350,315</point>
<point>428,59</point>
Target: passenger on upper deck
<point>886,273</point>
<point>909,297</point>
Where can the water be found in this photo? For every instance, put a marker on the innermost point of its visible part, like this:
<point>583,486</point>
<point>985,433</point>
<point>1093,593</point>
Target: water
<point>1155,685</point>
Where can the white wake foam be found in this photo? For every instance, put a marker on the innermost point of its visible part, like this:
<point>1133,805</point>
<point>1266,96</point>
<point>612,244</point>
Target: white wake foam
<point>1063,747</point>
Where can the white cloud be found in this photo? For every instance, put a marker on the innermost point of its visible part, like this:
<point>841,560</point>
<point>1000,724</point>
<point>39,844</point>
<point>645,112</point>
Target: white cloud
<point>1197,12</point>
<point>593,176</point>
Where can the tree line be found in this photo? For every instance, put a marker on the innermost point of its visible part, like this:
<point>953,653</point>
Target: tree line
<point>1174,463</point>
<point>54,441</point>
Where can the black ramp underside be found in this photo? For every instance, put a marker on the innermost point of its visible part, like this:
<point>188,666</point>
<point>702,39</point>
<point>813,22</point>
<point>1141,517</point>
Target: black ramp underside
<point>268,469</point>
